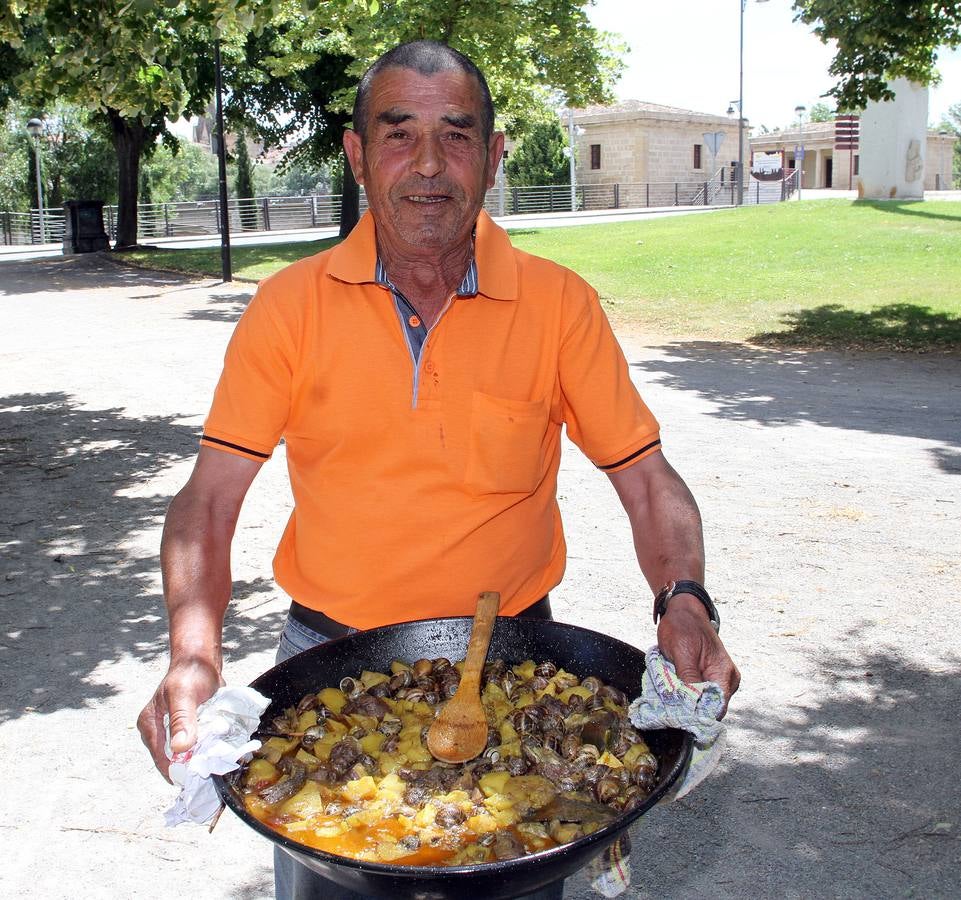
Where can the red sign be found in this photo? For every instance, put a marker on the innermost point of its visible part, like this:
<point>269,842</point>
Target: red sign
<point>846,132</point>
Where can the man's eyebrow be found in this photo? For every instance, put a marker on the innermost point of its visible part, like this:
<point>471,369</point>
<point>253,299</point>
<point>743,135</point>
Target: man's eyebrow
<point>394,116</point>
<point>461,120</point>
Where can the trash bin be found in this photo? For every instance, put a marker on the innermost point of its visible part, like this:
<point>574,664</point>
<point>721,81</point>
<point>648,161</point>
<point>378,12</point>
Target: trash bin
<point>84,231</point>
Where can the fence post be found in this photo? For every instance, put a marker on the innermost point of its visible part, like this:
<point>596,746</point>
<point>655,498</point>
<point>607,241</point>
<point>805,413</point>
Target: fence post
<point>266,205</point>
<point>757,194</point>
<point>707,185</point>
<point>675,194</point>
<point>313,210</point>
<point>647,201</point>
<point>550,199</point>
<point>166,220</point>
<point>514,199</point>
<point>617,195</point>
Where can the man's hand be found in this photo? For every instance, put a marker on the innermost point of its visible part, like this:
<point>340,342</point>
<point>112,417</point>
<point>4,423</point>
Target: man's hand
<point>688,640</point>
<point>185,686</point>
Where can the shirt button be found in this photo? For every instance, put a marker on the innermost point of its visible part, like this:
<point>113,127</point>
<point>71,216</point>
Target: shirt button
<point>429,368</point>
<point>414,322</point>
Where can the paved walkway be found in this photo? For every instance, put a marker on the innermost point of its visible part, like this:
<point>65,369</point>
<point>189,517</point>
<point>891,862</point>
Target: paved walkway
<point>829,488</point>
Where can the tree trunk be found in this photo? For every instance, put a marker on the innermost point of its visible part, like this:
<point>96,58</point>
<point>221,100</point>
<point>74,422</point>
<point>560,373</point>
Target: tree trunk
<point>129,139</point>
<point>349,201</point>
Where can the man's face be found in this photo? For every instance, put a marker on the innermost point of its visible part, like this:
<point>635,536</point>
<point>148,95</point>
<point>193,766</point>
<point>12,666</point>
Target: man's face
<point>426,162</point>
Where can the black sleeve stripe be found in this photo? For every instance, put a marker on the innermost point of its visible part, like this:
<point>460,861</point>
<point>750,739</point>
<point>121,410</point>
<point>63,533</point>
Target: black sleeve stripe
<point>213,440</point>
<point>627,459</point>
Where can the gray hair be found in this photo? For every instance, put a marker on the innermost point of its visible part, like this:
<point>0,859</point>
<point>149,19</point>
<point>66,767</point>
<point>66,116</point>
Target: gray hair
<point>426,58</point>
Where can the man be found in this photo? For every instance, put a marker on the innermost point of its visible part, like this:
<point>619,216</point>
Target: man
<point>419,373</point>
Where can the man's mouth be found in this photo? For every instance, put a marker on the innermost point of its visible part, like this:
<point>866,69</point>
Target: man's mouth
<point>426,198</point>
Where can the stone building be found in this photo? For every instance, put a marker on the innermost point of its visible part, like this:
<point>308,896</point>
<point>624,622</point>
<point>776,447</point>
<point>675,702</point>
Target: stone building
<point>633,142</point>
<point>824,166</point>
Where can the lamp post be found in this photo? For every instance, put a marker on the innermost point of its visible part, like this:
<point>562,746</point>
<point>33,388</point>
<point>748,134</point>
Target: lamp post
<point>799,111</point>
<point>35,129</point>
<point>732,107</point>
<point>573,131</point>
<point>740,109</point>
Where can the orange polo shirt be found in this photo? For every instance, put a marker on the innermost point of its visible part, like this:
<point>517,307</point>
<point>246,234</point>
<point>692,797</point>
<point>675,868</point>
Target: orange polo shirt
<point>413,494</point>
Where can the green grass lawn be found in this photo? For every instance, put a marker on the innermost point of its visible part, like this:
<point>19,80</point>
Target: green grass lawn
<point>815,273</point>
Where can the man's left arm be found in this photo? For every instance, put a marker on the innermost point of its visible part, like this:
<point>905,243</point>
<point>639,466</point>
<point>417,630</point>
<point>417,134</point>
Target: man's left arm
<point>670,547</point>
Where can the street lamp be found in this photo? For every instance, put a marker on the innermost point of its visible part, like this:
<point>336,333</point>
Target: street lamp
<point>799,111</point>
<point>573,131</point>
<point>35,129</point>
<point>740,112</point>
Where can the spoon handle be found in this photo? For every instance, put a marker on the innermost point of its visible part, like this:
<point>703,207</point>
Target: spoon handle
<point>488,604</point>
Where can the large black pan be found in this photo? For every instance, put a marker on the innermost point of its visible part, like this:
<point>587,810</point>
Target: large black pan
<point>576,649</point>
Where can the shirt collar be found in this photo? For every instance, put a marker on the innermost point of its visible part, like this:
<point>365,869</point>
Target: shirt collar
<point>467,287</point>
<point>492,273</point>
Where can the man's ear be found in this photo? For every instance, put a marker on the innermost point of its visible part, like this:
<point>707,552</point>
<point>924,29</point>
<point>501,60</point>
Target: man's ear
<point>495,150</point>
<point>354,148</point>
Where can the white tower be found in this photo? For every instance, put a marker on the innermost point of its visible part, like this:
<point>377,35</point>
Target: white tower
<point>893,142</point>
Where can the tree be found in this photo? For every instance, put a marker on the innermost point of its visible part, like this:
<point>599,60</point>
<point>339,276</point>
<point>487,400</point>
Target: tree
<point>528,51</point>
<point>539,158</point>
<point>821,112</point>
<point>878,40</point>
<point>137,63</point>
<point>244,185</point>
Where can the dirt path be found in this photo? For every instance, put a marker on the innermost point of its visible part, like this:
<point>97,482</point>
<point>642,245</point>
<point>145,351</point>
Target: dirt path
<point>829,486</point>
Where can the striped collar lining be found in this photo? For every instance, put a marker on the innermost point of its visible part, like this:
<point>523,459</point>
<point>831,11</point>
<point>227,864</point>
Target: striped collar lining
<point>467,287</point>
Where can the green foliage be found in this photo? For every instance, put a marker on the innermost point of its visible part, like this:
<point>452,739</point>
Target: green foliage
<point>244,183</point>
<point>135,62</point>
<point>821,112</point>
<point>878,40</point>
<point>539,158</point>
<point>189,173</point>
<point>526,50</point>
<point>77,159</point>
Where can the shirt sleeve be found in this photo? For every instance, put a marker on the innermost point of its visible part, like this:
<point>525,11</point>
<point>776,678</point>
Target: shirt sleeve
<point>604,413</point>
<point>251,403</point>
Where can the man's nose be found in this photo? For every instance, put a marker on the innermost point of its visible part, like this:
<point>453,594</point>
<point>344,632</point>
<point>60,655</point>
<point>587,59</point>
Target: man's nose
<point>428,157</point>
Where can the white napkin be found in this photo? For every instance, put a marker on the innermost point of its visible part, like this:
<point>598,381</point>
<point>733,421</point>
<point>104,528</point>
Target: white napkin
<point>667,702</point>
<point>225,723</point>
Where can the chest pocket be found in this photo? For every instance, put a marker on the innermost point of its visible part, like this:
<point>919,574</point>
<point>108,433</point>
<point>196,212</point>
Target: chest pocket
<point>506,444</point>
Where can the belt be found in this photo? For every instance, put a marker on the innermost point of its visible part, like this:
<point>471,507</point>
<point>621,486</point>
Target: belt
<point>324,625</point>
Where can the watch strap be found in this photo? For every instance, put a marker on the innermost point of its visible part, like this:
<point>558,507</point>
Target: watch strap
<point>686,587</point>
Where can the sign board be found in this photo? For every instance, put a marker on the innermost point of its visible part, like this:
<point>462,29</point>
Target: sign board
<point>846,132</point>
<point>713,140</point>
<point>799,152</point>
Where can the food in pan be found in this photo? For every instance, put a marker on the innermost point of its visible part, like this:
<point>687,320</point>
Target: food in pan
<point>348,771</point>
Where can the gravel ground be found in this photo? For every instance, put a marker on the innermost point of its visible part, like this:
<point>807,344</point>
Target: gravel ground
<point>828,483</point>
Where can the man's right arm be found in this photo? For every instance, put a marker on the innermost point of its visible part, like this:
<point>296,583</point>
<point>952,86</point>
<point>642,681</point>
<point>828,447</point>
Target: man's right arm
<point>195,560</point>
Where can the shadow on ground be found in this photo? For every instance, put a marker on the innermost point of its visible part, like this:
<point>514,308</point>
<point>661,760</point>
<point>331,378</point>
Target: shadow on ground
<point>899,326</point>
<point>88,271</point>
<point>876,393</point>
<point>848,790</point>
<point>221,308</point>
<point>71,510</point>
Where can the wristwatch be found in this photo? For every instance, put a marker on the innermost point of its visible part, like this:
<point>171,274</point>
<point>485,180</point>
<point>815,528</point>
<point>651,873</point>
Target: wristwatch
<point>686,587</point>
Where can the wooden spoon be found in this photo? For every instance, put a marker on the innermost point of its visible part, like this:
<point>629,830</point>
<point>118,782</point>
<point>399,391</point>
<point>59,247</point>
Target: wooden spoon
<point>459,733</point>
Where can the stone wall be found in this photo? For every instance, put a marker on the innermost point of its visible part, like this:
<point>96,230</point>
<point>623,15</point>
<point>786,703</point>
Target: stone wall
<point>650,143</point>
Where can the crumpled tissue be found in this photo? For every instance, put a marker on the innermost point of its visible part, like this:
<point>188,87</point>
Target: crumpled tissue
<point>225,723</point>
<point>667,702</point>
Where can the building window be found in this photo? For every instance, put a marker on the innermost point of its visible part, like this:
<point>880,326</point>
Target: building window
<point>857,163</point>
<point>697,156</point>
<point>595,156</point>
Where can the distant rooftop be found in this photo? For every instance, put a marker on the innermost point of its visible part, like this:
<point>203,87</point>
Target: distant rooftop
<point>642,107</point>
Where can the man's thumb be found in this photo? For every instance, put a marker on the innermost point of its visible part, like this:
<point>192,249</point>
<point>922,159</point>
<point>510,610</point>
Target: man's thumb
<point>183,729</point>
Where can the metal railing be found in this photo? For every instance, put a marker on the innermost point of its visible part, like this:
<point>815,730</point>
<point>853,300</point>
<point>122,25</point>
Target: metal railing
<point>202,217</point>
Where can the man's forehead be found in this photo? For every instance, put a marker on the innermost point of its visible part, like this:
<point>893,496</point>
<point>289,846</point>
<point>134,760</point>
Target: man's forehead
<point>405,92</point>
